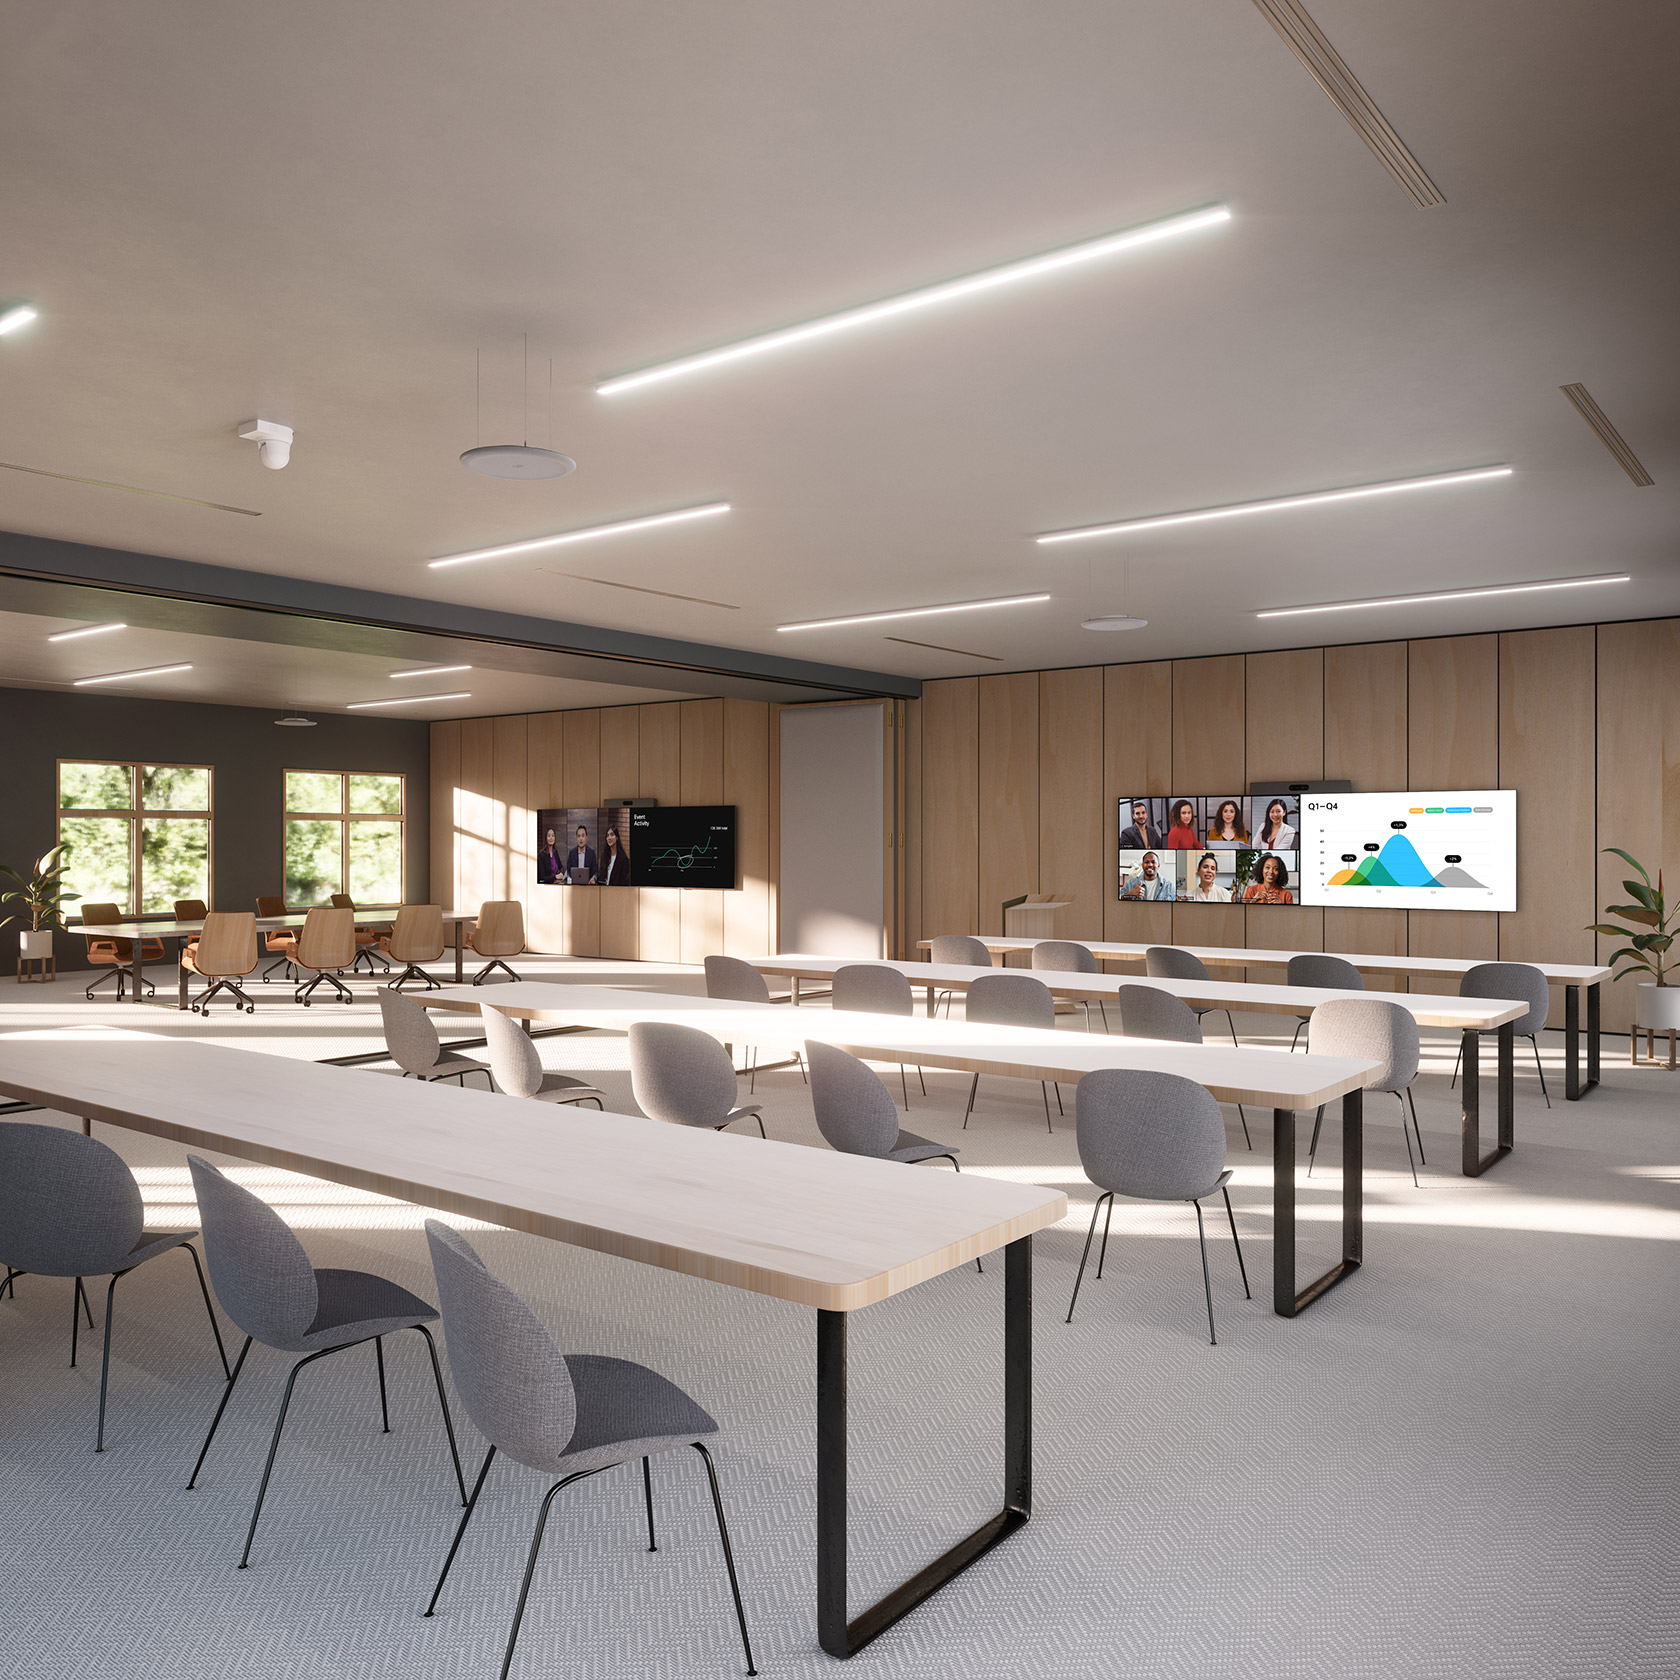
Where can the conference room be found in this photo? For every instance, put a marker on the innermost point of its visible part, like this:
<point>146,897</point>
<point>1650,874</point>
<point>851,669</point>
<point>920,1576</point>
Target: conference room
<point>788,891</point>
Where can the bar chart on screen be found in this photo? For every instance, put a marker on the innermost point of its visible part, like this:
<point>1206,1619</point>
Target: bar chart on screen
<point>1411,851</point>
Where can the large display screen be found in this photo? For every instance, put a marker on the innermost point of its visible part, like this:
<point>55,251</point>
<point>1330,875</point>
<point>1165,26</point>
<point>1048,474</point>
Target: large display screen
<point>1222,848</point>
<point>633,846</point>
<point>1410,851</point>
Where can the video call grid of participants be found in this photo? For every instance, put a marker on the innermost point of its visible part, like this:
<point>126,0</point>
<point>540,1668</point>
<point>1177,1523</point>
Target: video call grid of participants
<point>1210,849</point>
<point>584,848</point>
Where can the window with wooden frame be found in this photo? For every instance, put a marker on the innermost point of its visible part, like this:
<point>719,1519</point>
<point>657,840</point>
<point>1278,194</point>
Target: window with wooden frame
<point>343,834</point>
<point>139,834</point>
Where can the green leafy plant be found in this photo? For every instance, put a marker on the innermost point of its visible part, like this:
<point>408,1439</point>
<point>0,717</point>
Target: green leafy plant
<point>40,895</point>
<point>1649,915</point>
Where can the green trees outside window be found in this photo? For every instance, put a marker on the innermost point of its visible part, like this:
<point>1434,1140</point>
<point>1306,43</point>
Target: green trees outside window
<point>138,834</point>
<point>344,834</point>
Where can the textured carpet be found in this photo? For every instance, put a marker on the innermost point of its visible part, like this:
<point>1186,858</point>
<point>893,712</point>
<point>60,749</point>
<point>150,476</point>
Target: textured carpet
<point>1463,1462</point>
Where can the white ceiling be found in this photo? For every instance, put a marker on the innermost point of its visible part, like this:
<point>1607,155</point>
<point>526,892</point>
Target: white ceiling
<point>320,213</point>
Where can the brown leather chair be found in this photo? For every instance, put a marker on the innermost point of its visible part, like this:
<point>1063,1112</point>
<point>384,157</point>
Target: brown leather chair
<point>115,954</point>
<point>224,954</point>
<point>369,940</point>
<point>191,910</point>
<point>276,939</point>
<point>500,933</point>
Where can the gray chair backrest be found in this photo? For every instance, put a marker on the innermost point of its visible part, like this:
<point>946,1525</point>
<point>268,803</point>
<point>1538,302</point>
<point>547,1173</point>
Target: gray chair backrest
<point>1521,982</point>
<point>1067,956</point>
<point>961,948</point>
<point>263,1278</point>
<point>739,982</point>
<point>511,1377</point>
<point>69,1206</point>
<point>1371,1030</point>
<point>514,1063</point>
<point>680,1074</point>
<point>409,1034</point>
<point>1313,968</point>
<point>855,1111</point>
<point>1010,999</point>
<point>1149,1134</point>
<point>874,987</point>
<point>1148,1012</point>
<point>1172,962</point>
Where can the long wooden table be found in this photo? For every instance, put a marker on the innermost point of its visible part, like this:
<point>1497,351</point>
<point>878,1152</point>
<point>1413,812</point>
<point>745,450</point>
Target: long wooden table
<point>1469,1016</point>
<point>1269,1078</point>
<point>1575,978</point>
<point>821,1229</point>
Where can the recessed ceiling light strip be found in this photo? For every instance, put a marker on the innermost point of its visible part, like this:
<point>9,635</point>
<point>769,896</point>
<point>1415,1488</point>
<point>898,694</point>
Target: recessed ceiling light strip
<point>587,533</point>
<point>18,315</point>
<point>406,700</point>
<point>89,630</point>
<point>430,671</point>
<point>129,676</point>
<point>915,612</point>
<point>922,298</point>
<point>1276,504</point>
<point>1607,434</point>
<point>1447,595</point>
<point>132,489</point>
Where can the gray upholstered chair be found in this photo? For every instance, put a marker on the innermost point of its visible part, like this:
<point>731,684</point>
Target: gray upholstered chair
<point>1371,1030</point>
<point>414,1044</point>
<point>1315,968</point>
<point>69,1207</point>
<point>739,982</point>
<point>567,1415</point>
<point>1172,962</point>
<point>684,1076</point>
<point>517,1069</point>
<point>1067,956</point>
<point>1521,983</point>
<point>1011,999</point>
<point>267,1286</point>
<point>962,949</point>
<point>1156,1137</point>
<point>1149,1012</point>
<point>879,990</point>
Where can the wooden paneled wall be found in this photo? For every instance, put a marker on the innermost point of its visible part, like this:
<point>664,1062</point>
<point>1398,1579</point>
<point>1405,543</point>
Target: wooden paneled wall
<point>1014,780</point>
<point>491,775</point>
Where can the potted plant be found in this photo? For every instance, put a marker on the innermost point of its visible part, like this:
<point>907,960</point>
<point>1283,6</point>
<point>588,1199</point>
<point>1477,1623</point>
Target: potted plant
<point>1648,947</point>
<point>40,897</point>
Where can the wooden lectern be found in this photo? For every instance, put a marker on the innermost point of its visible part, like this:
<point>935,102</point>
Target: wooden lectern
<point>1032,917</point>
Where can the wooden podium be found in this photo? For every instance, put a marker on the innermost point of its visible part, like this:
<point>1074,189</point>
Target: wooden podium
<point>1033,917</point>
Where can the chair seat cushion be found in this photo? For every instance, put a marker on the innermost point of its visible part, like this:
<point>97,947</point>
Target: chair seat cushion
<point>152,1243</point>
<point>446,1067</point>
<point>561,1087</point>
<point>912,1148</point>
<point>352,1306</point>
<point>625,1410</point>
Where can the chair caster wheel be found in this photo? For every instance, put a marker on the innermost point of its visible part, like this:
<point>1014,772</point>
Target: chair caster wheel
<point>306,1003</point>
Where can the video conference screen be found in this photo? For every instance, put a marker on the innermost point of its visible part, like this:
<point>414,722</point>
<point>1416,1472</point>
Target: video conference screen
<point>1224,848</point>
<point>625,846</point>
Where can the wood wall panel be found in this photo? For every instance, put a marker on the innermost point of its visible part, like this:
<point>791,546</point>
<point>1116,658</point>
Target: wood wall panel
<point>515,857</point>
<point>1137,759</point>
<point>444,793</point>
<point>1209,755</point>
<point>1009,829</point>
<point>950,815</point>
<point>580,790</point>
<point>621,778</point>
<point>660,908</point>
<point>475,815</point>
<point>547,926</point>
<point>910,825</point>
<point>747,928</point>
<point>1070,783</point>
<point>1285,743</point>
<point>702,784</point>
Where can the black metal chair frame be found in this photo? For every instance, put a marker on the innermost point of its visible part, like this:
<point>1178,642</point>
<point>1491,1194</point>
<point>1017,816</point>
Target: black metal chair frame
<point>493,964</point>
<point>119,972</point>
<point>1404,1099</point>
<point>413,971</point>
<point>201,1004</point>
<point>1534,1044</point>
<point>1044,1091</point>
<point>301,995</point>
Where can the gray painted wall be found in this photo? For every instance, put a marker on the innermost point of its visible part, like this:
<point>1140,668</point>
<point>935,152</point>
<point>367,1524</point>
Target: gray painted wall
<point>241,744</point>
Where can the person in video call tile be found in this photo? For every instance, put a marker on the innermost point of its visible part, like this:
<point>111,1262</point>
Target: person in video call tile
<point>582,856</point>
<point>1142,832</point>
<point>1271,885</point>
<point>1227,827</point>
<point>1182,836</point>
<point>616,872</point>
<point>1204,891</point>
<point>1277,835</point>
<point>1149,882</point>
<point>548,859</point>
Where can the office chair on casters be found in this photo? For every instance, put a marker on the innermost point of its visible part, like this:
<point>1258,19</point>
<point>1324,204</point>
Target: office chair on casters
<point>416,938</point>
<point>324,949</point>
<point>225,953</point>
<point>369,940</point>
<point>500,933</point>
<point>116,954</point>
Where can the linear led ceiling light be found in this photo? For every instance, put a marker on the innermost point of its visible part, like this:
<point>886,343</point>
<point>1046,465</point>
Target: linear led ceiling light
<point>1155,522</point>
<point>915,612</point>
<point>585,535</point>
<point>1448,595</point>
<point>89,630</point>
<point>430,671</point>
<point>407,700</point>
<point>19,315</point>
<point>129,676</point>
<point>924,297</point>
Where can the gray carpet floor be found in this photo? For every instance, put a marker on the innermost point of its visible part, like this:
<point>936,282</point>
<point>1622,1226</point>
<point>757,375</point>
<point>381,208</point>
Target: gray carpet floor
<point>1464,1462</point>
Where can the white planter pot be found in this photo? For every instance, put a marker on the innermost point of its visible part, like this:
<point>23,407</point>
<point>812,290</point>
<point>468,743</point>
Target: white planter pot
<point>33,945</point>
<point>1659,1007</point>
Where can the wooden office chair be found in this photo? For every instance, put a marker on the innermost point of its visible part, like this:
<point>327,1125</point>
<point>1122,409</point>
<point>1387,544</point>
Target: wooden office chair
<point>191,910</point>
<point>500,933</point>
<point>225,953</point>
<point>416,938</point>
<point>275,939</point>
<point>114,954</point>
<point>324,948</point>
<point>368,939</point>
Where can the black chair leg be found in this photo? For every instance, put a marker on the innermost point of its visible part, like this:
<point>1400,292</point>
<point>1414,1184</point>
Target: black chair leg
<point>384,1404</point>
<point>461,1529</point>
<point>905,1083</point>
<point>1207,1282</point>
<point>274,1446</point>
<point>1297,1038</point>
<point>215,1422</point>
<point>105,1365</point>
<point>1312,1148</point>
<point>78,1301</point>
<point>443,1406</point>
<point>531,1563</point>
<point>1534,1041</point>
<point>1237,1240</point>
<point>1079,1277</point>
<point>204,1290</point>
<point>1456,1060</point>
<point>1044,1091</point>
<point>1244,1118</point>
<point>647,1493</point>
<point>973,1089</point>
<point>1406,1134</point>
<point>1412,1103</point>
<point>728,1554</point>
<point>1102,1253</point>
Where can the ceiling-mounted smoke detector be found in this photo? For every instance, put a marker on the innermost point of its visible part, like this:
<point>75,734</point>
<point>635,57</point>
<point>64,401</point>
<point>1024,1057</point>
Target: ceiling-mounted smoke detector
<point>273,441</point>
<point>1115,621</point>
<point>294,720</point>
<point>517,460</point>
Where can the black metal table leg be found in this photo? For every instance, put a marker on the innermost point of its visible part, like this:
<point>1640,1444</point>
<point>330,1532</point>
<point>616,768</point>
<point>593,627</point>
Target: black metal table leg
<point>1507,1088</point>
<point>180,975</point>
<point>838,1636</point>
<point>460,949</point>
<point>1594,1033</point>
<point>1572,1043</point>
<point>1287,1301</point>
<point>1474,1162</point>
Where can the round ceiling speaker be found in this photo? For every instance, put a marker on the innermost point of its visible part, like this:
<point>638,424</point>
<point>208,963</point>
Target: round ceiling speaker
<point>294,722</point>
<point>517,460</point>
<point>1116,621</point>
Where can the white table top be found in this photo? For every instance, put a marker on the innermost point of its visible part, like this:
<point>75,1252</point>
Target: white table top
<point>1270,1078</point>
<point>1238,956</point>
<point>1428,1009</point>
<point>806,1225</point>
<point>171,929</point>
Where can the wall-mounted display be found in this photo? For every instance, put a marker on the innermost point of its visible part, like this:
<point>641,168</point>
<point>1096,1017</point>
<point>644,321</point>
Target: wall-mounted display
<point>624,846</point>
<point>1223,848</point>
<point>587,847</point>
